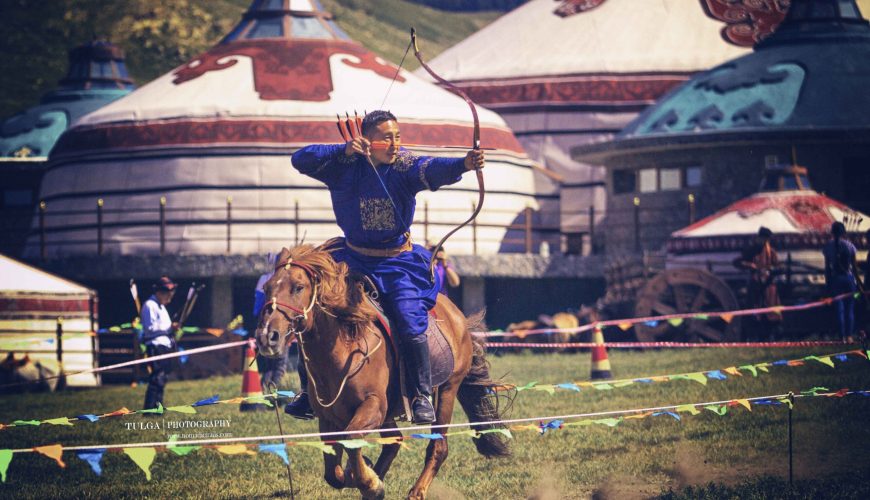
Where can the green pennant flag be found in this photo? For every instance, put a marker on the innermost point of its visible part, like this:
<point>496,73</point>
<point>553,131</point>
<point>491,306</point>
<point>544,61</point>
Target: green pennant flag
<point>26,422</point>
<point>688,408</point>
<point>814,391</point>
<point>5,459</point>
<point>143,457</point>
<point>675,321</point>
<point>325,448</point>
<point>527,386</point>
<point>353,444</point>
<point>825,360</point>
<point>717,409</point>
<point>609,422</point>
<point>623,383</point>
<point>259,399</point>
<point>701,316</point>
<point>498,430</point>
<point>158,410</point>
<point>180,450</point>
<point>182,409</point>
<point>750,368</point>
<point>788,402</point>
<point>58,421</point>
<point>697,377</point>
<point>763,367</point>
<point>603,387</point>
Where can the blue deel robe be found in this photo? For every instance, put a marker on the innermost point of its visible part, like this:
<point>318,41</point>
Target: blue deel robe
<point>368,219</point>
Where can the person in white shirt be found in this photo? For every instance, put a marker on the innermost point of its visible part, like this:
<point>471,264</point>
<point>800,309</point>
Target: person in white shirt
<point>158,335</point>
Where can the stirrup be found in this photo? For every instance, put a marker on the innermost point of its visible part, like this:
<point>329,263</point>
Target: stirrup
<point>422,411</point>
<point>300,407</point>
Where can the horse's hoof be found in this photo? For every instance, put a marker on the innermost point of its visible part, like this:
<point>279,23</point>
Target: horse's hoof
<point>376,493</point>
<point>416,494</point>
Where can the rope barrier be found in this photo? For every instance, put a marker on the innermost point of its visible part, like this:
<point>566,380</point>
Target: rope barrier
<point>665,345</point>
<point>505,422</point>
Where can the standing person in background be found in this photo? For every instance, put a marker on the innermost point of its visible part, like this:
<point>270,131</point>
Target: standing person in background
<point>446,274</point>
<point>841,276</point>
<point>762,262</point>
<point>158,335</point>
<point>271,370</point>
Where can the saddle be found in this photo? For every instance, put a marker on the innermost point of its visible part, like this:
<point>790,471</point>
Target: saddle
<point>440,353</point>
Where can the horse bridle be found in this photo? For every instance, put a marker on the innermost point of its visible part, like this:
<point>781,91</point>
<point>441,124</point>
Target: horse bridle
<point>300,313</point>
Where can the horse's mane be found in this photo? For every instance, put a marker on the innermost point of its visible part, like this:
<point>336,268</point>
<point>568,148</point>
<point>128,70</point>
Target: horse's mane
<point>341,292</point>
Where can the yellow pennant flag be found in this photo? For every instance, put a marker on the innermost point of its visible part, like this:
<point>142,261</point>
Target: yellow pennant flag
<point>688,408</point>
<point>53,451</point>
<point>745,403</point>
<point>181,409</point>
<point>732,370</point>
<point>624,326</point>
<point>143,457</point>
<point>675,321</point>
<point>62,421</point>
<point>234,449</point>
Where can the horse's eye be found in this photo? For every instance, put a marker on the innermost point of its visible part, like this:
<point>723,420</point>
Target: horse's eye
<point>298,289</point>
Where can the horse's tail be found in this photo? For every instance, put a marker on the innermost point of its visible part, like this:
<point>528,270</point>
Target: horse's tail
<point>476,398</point>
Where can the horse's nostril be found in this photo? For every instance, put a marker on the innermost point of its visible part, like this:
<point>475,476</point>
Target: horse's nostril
<point>273,337</point>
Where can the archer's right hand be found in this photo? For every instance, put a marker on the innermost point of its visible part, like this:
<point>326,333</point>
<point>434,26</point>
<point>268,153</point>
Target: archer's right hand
<point>359,145</point>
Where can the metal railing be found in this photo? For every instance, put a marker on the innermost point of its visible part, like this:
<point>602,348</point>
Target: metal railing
<point>526,229</point>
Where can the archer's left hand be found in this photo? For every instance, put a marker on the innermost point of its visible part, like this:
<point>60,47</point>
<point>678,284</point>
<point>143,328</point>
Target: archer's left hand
<point>474,159</point>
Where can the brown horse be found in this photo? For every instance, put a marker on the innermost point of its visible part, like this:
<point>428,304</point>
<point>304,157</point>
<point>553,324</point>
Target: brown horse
<point>354,373</point>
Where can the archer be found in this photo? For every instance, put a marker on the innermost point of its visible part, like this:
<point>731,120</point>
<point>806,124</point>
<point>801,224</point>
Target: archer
<point>373,184</point>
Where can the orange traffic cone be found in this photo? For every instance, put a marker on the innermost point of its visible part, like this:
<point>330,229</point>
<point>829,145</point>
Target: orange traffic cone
<point>600,363</point>
<point>251,385</point>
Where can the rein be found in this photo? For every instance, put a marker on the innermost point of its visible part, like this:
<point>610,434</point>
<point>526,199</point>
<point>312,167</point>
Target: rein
<point>303,313</point>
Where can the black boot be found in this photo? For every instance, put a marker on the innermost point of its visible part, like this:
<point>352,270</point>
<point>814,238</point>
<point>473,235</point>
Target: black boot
<point>419,378</point>
<point>301,407</point>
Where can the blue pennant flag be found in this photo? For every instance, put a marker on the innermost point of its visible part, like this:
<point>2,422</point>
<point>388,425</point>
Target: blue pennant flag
<point>207,401</point>
<point>651,324</point>
<point>656,414</point>
<point>842,357</point>
<point>570,387</point>
<point>286,394</point>
<point>553,424</point>
<point>767,402</point>
<point>427,436</point>
<point>89,417</point>
<point>781,362</point>
<point>716,375</point>
<point>93,458</point>
<point>279,449</point>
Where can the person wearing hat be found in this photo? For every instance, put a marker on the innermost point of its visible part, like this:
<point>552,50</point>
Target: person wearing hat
<point>158,335</point>
<point>762,262</point>
<point>841,276</point>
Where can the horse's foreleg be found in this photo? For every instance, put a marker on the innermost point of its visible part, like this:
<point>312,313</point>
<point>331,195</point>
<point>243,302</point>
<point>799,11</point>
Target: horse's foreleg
<point>436,452</point>
<point>369,415</point>
<point>333,473</point>
<point>388,451</point>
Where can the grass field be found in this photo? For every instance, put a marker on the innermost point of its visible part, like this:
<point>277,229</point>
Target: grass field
<point>744,453</point>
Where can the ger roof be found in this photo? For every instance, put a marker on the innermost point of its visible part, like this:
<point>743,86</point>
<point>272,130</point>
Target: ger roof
<point>17,276</point>
<point>288,63</point>
<point>617,36</point>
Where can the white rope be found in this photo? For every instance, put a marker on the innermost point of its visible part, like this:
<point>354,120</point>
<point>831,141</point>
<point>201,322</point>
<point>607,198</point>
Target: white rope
<point>421,427</point>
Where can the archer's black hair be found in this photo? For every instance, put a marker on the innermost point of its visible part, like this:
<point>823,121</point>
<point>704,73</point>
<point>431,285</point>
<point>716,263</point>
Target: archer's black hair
<point>375,118</point>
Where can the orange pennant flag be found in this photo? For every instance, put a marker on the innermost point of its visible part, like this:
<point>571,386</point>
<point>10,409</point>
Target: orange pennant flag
<point>732,370</point>
<point>726,317</point>
<point>53,451</point>
<point>625,326</point>
<point>796,362</point>
<point>117,413</point>
<point>217,332</point>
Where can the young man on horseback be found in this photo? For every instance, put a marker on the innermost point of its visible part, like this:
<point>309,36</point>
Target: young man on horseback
<point>373,184</point>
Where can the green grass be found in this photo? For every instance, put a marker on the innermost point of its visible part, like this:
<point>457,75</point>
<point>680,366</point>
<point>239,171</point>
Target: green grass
<point>739,452</point>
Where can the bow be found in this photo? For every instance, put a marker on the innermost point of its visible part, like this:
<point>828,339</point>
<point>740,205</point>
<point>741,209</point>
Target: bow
<point>475,145</point>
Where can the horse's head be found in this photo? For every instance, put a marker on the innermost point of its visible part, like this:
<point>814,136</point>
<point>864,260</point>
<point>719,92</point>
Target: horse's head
<point>290,293</point>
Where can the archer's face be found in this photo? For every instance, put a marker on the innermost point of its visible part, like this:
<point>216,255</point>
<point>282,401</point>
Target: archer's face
<point>386,132</point>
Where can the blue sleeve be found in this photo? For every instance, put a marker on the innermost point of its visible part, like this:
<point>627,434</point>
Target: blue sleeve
<point>259,300</point>
<point>427,172</point>
<point>324,162</point>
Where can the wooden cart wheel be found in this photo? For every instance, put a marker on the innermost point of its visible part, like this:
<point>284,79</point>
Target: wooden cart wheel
<point>682,291</point>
